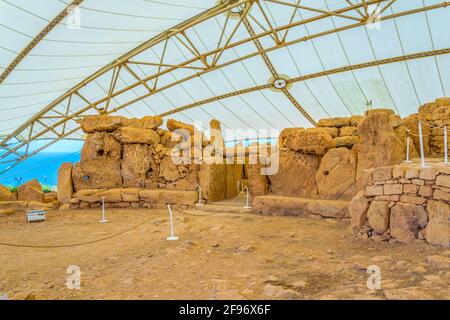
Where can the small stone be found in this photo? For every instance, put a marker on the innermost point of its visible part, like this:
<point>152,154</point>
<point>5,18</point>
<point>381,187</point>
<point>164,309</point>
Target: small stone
<point>372,191</point>
<point>412,173</point>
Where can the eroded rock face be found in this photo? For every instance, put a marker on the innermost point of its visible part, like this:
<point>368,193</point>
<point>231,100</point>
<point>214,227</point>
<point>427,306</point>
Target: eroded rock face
<point>212,179</point>
<point>406,221</point>
<point>378,144</point>
<point>378,216</point>
<point>129,135</point>
<point>336,175</point>
<point>101,146</point>
<point>358,211</point>
<point>169,196</point>
<point>437,231</point>
<point>91,124</point>
<point>148,122</point>
<point>334,122</point>
<point>5,194</point>
<point>296,175</point>
<point>188,179</point>
<point>65,184</point>
<point>316,142</point>
<point>97,174</point>
<point>31,191</point>
<point>235,174</point>
<point>138,167</point>
<point>169,171</point>
<point>258,183</point>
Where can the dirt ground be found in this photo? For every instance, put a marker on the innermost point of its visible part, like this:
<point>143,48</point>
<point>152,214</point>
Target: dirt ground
<point>218,256</point>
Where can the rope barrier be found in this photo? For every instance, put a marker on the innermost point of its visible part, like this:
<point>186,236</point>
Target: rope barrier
<point>75,244</point>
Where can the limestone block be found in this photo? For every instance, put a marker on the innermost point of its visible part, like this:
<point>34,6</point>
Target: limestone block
<point>378,216</point>
<point>127,135</point>
<point>336,176</point>
<point>437,231</point>
<point>406,221</point>
<point>91,124</point>
<point>100,146</point>
<point>316,142</point>
<point>334,122</point>
<point>97,174</point>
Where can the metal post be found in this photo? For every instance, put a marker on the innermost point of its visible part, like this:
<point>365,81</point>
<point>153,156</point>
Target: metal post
<point>200,199</point>
<point>422,152</point>
<point>172,236</point>
<point>407,150</point>
<point>103,212</point>
<point>445,146</point>
<point>247,204</point>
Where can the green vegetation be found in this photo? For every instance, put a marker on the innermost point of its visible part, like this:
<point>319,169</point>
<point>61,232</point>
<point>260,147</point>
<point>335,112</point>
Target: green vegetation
<point>45,188</point>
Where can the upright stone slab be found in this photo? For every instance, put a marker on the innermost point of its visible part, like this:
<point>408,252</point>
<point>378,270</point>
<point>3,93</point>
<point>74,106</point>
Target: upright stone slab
<point>5,194</point>
<point>65,183</point>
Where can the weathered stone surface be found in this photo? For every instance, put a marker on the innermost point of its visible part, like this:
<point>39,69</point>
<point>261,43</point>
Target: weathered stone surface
<point>169,197</point>
<point>284,134</point>
<point>174,125</point>
<point>169,170</point>
<point>31,191</point>
<point>372,191</point>
<point>412,199</point>
<point>279,205</point>
<point>378,145</point>
<point>332,131</point>
<point>100,146</point>
<point>378,216</point>
<point>127,135</point>
<point>406,221</point>
<point>130,194</point>
<point>138,167</point>
<point>358,211</point>
<point>379,110</point>
<point>212,180</point>
<point>14,205</point>
<point>437,231</point>
<point>334,122</point>
<point>235,173</point>
<point>148,122</point>
<point>356,120</point>
<point>412,123</point>
<point>316,142</point>
<point>428,174</point>
<point>65,183</point>
<point>348,131</point>
<point>390,189</point>
<point>97,174</point>
<point>348,141</point>
<point>188,179</point>
<point>91,124</point>
<point>5,194</point>
<point>336,176</point>
<point>382,173</point>
<point>443,180</point>
<point>296,175</point>
<point>441,195</point>
<point>258,183</point>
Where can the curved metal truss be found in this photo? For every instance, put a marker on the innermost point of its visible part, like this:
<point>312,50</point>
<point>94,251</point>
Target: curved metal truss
<point>52,121</point>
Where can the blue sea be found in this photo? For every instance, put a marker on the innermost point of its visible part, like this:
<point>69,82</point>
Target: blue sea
<point>43,166</point>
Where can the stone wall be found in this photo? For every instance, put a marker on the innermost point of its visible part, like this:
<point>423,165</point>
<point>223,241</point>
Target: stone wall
<point>404,203</point>
<point>434,115</point>
<point>327,162</point>
<point>126,154</point>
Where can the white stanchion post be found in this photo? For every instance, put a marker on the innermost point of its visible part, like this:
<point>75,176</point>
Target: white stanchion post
<point>200,197</point>
<point>445,146</point>
<point>422,152</point>
<point>103,212</point>
<point>408,141</point>
<point>247,204</point>
<point>172,236</point>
